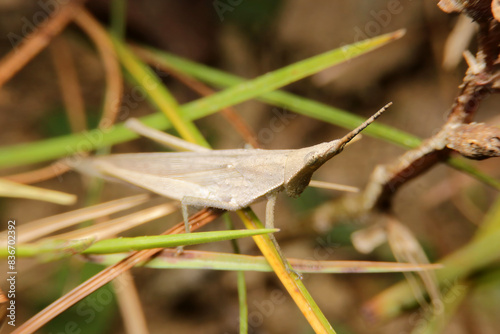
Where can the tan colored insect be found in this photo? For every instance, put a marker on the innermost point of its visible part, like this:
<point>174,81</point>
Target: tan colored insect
<point>224,179</point>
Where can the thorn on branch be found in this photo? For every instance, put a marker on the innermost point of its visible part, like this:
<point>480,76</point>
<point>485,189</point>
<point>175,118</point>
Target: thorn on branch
<point>476,141</point>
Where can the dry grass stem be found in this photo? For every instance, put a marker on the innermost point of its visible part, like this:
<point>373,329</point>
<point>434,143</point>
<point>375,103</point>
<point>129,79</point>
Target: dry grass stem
<point>129,303</point>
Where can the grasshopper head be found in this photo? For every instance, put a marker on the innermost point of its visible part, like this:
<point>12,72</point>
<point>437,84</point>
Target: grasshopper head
<point>302,163</point>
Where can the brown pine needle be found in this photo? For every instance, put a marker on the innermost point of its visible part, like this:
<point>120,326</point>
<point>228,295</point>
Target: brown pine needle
<point>69,84</point>
<point>4,303</point>
<point>41,227</point>
<point>112,227</point>
<point>39,175</point>
<point>36,41</point>
<point>57,307</point>
<point>114,82</point>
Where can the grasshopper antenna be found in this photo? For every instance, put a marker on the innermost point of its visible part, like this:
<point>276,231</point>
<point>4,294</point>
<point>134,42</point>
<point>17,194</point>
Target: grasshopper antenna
<point>348,137</point>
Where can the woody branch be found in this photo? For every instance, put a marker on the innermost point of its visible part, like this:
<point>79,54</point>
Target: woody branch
<point>457,135</point>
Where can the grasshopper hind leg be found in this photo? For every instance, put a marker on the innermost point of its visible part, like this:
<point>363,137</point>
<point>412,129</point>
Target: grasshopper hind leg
<point>200,202</point>
<point>185,218</point>
<point>203,203</point>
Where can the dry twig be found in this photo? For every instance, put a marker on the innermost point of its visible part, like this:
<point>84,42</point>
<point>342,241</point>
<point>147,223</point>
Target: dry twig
<point>458,134</point>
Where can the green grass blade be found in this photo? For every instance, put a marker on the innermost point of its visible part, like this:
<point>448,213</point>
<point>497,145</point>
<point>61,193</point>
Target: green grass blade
<point>463,165</point>
<point>118,18</point>
<point>242,302</point>
<point>271,81</point>
<point>436,322</point>
<point>54,148</point>
<point>161,241</point>
<point>282,99</point>
<point>120,245</point>
<point>240,280</point>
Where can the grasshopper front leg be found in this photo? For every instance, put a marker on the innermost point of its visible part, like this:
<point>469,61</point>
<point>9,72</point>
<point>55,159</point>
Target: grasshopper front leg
<point>271,203</point>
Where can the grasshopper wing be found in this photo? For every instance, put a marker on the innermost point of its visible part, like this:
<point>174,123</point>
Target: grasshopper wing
<point>230,178</point>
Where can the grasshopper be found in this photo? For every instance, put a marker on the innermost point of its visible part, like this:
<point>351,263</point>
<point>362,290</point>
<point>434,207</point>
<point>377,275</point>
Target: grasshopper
<point>223,179</point>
